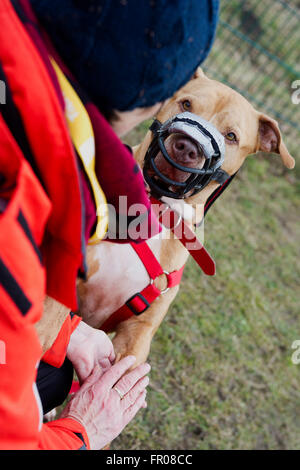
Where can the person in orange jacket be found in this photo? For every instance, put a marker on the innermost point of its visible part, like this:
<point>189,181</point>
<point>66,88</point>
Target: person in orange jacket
<point>47,202</point>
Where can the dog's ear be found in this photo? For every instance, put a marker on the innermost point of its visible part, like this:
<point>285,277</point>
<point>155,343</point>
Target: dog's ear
<point>199,73</point>
<point>270,140</point>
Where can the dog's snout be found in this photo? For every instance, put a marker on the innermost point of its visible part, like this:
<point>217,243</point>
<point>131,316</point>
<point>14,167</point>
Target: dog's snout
<point>185,151</point>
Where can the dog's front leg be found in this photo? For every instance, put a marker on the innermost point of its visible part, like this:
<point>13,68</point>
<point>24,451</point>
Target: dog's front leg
<point>134,336</point>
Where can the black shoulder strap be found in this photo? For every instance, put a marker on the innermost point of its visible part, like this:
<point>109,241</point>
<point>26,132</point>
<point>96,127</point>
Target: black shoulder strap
<point>13,119</point>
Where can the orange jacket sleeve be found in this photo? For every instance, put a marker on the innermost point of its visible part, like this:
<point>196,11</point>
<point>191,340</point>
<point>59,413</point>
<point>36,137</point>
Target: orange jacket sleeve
<point>22,291</point>
<point>20,408</point>
<point>55,356</point>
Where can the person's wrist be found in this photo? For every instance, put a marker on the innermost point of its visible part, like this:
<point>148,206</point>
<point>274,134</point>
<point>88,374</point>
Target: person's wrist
<point>70,412</point>
<point>75,424</point>
<point>67,414</point>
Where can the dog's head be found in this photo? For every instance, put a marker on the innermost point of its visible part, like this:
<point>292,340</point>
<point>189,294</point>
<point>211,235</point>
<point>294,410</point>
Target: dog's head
<point>245,131</point>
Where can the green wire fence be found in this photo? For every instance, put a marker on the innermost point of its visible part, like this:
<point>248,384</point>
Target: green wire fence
<point>257,52</point>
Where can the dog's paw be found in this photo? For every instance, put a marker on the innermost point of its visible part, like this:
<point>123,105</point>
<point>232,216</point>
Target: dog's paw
<point>140,357</point>
<point>126,343</point>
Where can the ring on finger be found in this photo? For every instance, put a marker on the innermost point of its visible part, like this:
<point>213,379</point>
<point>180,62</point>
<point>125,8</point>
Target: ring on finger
<point>121,395</point>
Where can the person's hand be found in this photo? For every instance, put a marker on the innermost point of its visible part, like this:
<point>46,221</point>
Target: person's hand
<point>87,348</point>
<point>98,405</point>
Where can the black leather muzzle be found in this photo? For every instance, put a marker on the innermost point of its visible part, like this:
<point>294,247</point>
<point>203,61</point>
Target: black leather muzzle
<point>206,137</point>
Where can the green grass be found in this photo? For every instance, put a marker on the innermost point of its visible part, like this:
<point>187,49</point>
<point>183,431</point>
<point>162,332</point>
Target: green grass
<point>222,376</point>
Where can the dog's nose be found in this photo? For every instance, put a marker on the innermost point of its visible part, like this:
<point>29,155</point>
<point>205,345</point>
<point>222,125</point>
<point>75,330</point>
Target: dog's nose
<point>185,151</point>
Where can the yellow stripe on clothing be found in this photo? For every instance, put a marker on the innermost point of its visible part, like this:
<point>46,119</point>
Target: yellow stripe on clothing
<point>82,135</point>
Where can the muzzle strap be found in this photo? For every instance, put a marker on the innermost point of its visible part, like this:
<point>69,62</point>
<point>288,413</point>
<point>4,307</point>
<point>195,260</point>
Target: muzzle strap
<point>220,176</point>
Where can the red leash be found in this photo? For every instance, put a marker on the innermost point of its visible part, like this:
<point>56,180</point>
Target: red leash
<point>141,301</point>
<point>174,222</point>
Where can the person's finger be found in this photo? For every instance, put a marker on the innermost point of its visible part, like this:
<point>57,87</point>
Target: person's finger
<point>129,380</point>
<point>111,376</point>
<point>105,364</point>
<point>131,397</point>
<point>112,356</point>
<point>110,350</point>
<point>130,413</point>
<point>93,378</point>
<point>106,346</point>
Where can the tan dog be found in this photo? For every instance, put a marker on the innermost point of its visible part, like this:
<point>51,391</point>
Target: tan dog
<point>114,271</point>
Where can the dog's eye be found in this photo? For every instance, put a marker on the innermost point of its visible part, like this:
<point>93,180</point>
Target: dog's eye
<point>231,137</point>
<point>186,104</point>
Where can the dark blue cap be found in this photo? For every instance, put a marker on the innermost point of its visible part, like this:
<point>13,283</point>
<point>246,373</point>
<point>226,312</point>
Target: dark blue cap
<point>130,53</point>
